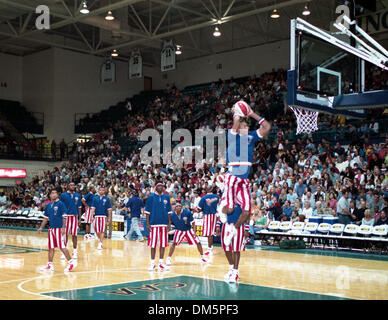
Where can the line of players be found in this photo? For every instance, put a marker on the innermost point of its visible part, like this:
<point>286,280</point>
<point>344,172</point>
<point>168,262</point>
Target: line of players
<point>232,212</point>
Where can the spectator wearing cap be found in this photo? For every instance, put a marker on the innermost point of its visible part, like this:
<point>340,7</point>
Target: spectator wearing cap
<point>135,206</point>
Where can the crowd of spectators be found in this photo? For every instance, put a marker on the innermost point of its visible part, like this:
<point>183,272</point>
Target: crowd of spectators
<point>290,180</point>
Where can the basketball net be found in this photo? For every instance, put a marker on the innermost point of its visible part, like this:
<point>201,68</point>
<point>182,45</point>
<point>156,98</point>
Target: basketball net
<point>307,121</point>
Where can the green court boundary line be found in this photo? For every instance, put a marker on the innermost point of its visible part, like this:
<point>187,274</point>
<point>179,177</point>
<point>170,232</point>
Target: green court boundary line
<point>327,253</point>
<point>321,252</point>
<point>280,288</point>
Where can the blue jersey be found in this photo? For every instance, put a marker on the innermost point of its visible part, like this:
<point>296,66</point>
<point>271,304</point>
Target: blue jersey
<point>55,211</point>
<point>239,155</point>
<point>235,215</point>
<point>72,202</point>
<point>89,198</point>
<point>102,205</point>
<point>158,207</point>
<point>208,203</point>
<point>135,204</point>
<point>182,222</point>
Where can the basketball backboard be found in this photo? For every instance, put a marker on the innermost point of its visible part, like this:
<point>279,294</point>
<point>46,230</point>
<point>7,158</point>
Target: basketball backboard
<point>327,73</point>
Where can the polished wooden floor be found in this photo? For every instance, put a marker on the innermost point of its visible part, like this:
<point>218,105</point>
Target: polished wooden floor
<point>123,261</point>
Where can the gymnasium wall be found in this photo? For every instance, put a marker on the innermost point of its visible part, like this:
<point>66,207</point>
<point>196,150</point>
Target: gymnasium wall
<point>61,83</point>
<point>239,63</point>
<point>33,168</point>
<point>11,74</point>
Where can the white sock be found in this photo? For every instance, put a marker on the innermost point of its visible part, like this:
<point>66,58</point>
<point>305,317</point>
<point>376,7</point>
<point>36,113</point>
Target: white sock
<point>235,271</point>
<point>75,250</point>
<point>50,264</point>
<point>152,261</point>
<point>231,267</point>
<point>160,260</point>
<point>210,248</point>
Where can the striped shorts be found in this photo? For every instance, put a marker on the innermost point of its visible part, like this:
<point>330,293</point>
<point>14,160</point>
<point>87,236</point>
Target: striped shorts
<point>56,239</point>
<point>88,215</point>
<point>158,237</point>
<point>238,242</point>
<point>236,191</point>
<point>99,224</point>
<point>180,235</point>
<point>72,225</point>
<point>209,224</point>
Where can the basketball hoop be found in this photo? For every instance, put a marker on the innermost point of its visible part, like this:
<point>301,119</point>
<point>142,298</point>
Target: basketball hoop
<point>307,121</point>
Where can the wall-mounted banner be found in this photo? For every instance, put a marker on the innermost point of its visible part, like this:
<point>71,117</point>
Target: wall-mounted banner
<point>375,22</point>
<point>168,56</point>
<point>108,72</point>
<point>12,173</point>
<point>135,65</point>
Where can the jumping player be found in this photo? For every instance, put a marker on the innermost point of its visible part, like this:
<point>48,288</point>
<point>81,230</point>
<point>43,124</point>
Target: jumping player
<point>183,222</point>
<point>239,157</point>
<point>55,213</point>
<point>236,245</point>
<point>72,201</point>
<point>158,210</point>
<point>87,200</point>
<point>101,210</point>
<point>208,206</point>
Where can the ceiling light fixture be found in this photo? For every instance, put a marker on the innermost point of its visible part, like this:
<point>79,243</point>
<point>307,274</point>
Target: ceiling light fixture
<point>275,14</point>
<point>216,32</point>
<point>178,49</point>
<point>306,11</point>
<point>84,9</point>
<point>114,53</point>
<point>109,16</point>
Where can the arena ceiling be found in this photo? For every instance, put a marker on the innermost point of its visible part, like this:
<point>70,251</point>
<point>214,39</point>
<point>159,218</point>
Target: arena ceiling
<point>144,24</point>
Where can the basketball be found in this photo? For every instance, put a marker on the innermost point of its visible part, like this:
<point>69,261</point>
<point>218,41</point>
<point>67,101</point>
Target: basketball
<point>241,109</point>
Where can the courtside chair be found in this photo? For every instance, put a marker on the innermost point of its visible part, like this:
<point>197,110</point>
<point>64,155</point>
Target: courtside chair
<point>350,230</point>
<point>365,231</point>
<point>380,232</point>
<point>311,228</point>
<point>273,226</point>
<point>297,227</point>
<point>285,226</point>
<point>324,229</point>
<point>337,229</point>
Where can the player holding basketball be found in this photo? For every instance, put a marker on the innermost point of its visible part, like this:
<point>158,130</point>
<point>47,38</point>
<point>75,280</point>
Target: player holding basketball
<point>55,213</point>
<point>183,222</point>
<point>208,206</point>
<point>158,210</point>
<point>72,201</point>
<point>239,157</point>
<point>87,200</point>
<point>102,214</point>
<point>236,245</point>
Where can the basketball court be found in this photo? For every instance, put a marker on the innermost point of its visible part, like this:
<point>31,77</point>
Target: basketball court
<point>118,272</point>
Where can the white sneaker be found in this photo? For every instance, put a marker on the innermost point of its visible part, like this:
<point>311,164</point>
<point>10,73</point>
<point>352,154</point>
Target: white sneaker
<point>99,247</point>
<point>168,261</point>
<point>230,232</point>
<point>75,254</point>
<point>49,267</point>
<point>203,259</point>
<point>70,266</point>
<point>228,275</point>
<point>152,267</point>
<point>233,278</point>
<point>140,240</point>
<point>162,267</point>
<point>63,257</point>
